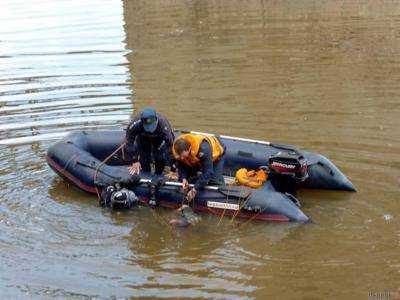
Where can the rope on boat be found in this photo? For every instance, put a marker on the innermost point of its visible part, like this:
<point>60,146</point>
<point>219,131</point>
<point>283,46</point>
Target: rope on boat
<point>223,212</point>
<point>244,202</point>
<point>121,147</point>
<point>102,163</point>
<point>156,215</point>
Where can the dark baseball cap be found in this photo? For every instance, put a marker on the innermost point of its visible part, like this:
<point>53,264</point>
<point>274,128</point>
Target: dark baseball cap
<point>149,119</point>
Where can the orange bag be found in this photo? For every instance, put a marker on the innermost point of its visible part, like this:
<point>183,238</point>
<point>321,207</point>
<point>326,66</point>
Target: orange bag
<point>251,178</point>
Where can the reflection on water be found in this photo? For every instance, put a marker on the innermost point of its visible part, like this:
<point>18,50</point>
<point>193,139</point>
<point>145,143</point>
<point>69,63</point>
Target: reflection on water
<point>320,74</point>
<point>63,68</point>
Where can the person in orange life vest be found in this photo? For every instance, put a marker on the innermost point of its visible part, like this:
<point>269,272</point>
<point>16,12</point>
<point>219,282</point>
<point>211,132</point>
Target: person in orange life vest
<point>149,136</point>
<point>194,153</point>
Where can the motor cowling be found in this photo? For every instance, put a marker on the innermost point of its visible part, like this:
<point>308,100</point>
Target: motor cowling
<point>289,163</point>
<point>287,170</point>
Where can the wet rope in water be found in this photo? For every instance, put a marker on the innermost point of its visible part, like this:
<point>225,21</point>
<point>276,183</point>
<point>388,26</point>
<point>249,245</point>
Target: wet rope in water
<point>252,218</point>
<point>160,219</point>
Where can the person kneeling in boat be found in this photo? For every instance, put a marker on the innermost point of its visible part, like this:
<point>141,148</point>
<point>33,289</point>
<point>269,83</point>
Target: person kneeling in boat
<point>196,153</point>
<point>149,135</point>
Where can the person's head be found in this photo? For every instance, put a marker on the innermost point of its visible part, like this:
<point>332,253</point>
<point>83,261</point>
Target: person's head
<point>182,148</point>
<point>149,118</point>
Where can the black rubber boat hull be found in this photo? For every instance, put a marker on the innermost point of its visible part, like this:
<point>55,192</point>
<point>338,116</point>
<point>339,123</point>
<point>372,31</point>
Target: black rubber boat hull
<point>78,156</point>
<point>323,174</point>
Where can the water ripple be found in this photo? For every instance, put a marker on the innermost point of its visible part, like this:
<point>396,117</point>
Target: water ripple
<point>61,74</point>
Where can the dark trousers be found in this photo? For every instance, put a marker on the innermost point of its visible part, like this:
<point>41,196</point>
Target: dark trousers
<point>148,151</point>
<point>217,177</point>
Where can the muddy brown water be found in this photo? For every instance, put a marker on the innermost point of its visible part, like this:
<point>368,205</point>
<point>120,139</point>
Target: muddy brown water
<point>323,75</point>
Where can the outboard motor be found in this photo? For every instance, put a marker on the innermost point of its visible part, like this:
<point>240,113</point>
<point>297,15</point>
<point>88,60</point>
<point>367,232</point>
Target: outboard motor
<point>287,170</point>
<point>118,198</point>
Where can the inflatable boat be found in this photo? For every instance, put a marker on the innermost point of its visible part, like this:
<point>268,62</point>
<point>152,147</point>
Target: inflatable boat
<point>79,159</point>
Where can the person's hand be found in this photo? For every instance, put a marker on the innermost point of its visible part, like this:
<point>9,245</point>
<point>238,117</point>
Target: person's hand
<point>172,176</point>
<point>191,194</point>
<point>185,184</point>
<point>135,168</point>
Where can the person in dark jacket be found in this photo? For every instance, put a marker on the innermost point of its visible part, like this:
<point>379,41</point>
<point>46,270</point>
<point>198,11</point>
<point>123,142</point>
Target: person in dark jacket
<point>197,153</point>
<point>149,136</point>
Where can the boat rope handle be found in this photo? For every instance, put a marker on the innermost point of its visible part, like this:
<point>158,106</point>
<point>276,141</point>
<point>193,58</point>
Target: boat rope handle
<point>102,163</point>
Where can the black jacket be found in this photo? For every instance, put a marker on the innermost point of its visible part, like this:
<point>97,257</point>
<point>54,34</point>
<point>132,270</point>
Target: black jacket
<point>162,138</point>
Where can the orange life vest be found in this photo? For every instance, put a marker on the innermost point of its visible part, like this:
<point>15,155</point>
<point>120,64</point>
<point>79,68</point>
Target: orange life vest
<point>251,178</point>
<point>195,141</point>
